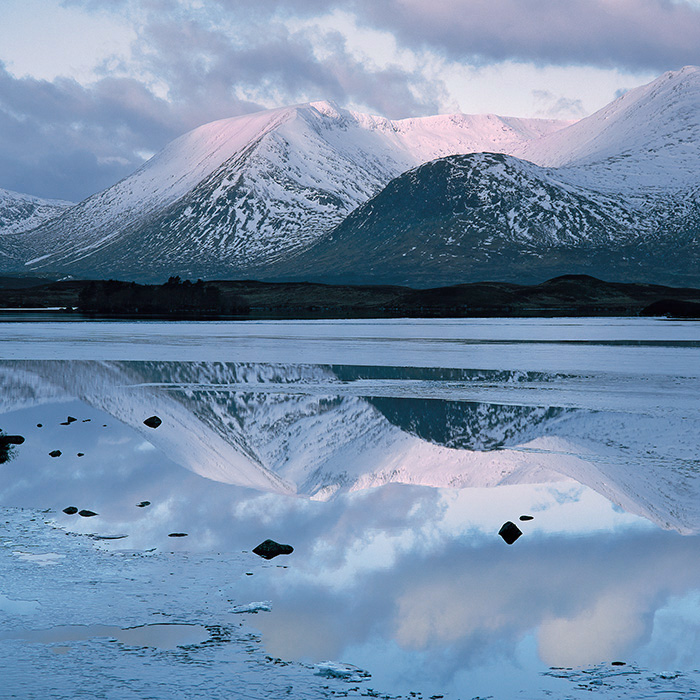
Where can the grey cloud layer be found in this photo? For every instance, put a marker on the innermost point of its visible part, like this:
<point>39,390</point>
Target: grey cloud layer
<point>204,64</point>
<point>635,34</point>
<point>60,139</point>
<point>588,598</point>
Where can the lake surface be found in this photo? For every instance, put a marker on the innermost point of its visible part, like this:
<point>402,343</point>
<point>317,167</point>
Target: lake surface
<point>389,454</point>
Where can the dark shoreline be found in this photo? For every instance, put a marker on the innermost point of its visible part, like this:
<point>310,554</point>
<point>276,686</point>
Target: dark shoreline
<point>569,295</point>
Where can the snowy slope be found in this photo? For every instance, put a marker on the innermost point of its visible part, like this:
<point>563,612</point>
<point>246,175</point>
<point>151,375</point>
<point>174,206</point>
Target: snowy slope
<point>240,192</point>
<point>217,452</point>
<point>614,195</point>
<point>22,212</point>
<point>305,439</point>
<point>649,138</point>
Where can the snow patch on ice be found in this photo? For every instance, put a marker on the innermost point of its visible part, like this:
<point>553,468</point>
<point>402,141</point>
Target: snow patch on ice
<point>261,606</point>
<point>346,672</point>
<point>47,559</point>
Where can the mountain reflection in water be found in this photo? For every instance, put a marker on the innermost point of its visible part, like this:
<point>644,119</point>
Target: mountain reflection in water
<point>317,430</point>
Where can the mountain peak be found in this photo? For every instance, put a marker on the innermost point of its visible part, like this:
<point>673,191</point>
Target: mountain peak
<point>249,195</point>
<point>22,212</point>
<point>236,194</point>
<point>327,108</point>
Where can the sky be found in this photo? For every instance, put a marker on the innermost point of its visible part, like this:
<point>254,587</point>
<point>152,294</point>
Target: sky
<point>90,89</point>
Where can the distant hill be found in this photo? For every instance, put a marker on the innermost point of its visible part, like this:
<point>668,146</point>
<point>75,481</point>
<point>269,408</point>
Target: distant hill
<point>491,216</point>
<point>570,295</point>
<point>22,212</point>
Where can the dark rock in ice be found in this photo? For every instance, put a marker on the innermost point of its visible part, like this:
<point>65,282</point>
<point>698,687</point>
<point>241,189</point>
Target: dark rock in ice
<point>86,513</point>
<point>525,518</point>
<point>269,549</point>
<point>71,510</point>
<point>143,504</point>
<point>153,422</point>
<point>55,453</point>
<point>509,532</point>
<point>11,440</point>
<point>81,454</point>
<point>70,419</point>
<point>86,420</point>
<point>7,443</point>
<point>618,663</point>
<point>39,425</point>
<point>177,534</point>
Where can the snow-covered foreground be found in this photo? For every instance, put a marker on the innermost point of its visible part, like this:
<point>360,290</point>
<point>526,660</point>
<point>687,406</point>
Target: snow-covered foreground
<point>79,621</point>
<point>388,455</point>
<point>54,642</point>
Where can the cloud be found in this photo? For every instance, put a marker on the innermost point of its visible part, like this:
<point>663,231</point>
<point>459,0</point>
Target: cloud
<point>636,34</point>
<point>61,139</point>
<point>557,106</point>
<point>585,600</point>
<point>267,61</point>
<point>191,63</point>
<point>606,629</point>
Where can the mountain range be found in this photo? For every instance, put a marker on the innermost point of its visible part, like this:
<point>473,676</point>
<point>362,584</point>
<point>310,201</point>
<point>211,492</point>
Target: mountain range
<point>321,193</point>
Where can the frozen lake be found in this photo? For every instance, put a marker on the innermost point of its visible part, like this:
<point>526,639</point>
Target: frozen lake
<point>389,454</point>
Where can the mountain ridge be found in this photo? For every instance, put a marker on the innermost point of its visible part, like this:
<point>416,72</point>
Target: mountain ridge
<point>482,216</point>
<point>283,178</point>
<point>270,195</point>
<point>22,212</point>
<point>647,139</point>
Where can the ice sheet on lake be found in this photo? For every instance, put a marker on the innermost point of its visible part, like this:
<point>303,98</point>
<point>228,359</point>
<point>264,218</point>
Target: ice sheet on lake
<point>95,589</point>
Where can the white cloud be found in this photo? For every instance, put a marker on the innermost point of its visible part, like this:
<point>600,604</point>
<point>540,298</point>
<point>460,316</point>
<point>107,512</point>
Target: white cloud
<point>610,626</point>
<point>45,40</point>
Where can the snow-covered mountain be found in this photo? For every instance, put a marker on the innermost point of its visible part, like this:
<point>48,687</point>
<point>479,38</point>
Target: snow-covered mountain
<point>22,212</point>
<point>477,216</point>
<point>237,194</point>
<point>614,195</point>
<point>283,428</point>
<point>284,194</point>
<point>645,142</point>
